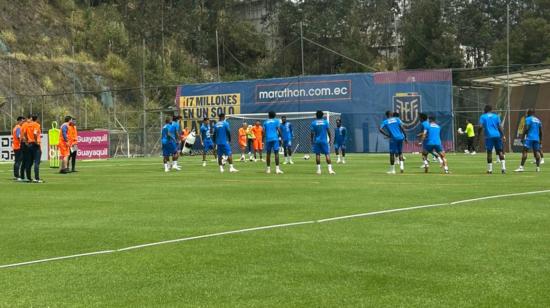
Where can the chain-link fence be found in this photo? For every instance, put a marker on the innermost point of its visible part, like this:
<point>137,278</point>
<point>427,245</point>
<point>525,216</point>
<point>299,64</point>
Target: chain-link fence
<point>470,101</point>
<point>133,131</point>
<point>134,116</point>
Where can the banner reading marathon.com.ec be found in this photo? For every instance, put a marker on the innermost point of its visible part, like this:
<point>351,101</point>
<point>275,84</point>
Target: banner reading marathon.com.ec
<point>361,99</point>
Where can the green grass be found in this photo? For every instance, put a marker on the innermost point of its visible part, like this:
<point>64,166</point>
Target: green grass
<point>485,253</point>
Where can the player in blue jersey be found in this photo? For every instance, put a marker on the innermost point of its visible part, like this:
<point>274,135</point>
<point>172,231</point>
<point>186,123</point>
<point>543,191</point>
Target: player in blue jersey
<point>532,139</point>
<point>175,130</point>
<point>206,140</point>
<point>287,136</point>
<point>222,138</point>
<point>392,128</point>
<point>168,141</point>
<point>489,123</point>
<point>340,138</point>
<point>424,124</point>
<point>320,138</point>
<point>272,134</point>
<point>431,138</point>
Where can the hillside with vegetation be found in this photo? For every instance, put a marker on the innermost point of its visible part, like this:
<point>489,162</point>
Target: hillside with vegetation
<point>48,47</point>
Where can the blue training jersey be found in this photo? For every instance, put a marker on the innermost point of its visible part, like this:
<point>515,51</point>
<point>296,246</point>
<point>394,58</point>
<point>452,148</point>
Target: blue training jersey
<point>433,134</point>
<point>425,125</point>
<point>175,129</point>
<point>271,129</point>
<point>393,127</point>
<point>286,130</point>
<point>340,135</point>
<point>533,125</point>
<point>206,134</point>
<point>320,129</point>
<point>490,123</point>
<point>221,129</point>
<point>166,133</point>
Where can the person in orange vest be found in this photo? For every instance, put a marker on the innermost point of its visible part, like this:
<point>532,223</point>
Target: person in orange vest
<point>16,145</point>
<point>243,140</point>
<point>31,131</point>
<point>64,146</point>
<point>73,144</point>
<point>184,133</point>
<point>258,132</point>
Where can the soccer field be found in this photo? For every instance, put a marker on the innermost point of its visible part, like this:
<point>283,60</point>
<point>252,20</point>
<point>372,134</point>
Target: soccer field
<point>485,252</point>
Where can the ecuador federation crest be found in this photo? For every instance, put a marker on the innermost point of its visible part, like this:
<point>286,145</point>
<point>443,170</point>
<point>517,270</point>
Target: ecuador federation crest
<point>408,106</point>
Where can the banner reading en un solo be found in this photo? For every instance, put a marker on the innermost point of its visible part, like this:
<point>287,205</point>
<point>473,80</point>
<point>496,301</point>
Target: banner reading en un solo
<point>93,144</point>
<point>6,150</point>
<point>194,108</point>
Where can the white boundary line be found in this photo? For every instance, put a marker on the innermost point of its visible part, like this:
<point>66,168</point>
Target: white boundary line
<point>459,202</point>
<point>58,258</point>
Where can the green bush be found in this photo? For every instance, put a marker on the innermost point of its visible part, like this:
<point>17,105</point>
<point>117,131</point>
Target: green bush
<point>116,67</point>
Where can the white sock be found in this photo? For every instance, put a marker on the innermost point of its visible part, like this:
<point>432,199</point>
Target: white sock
<point>440,160</point>
<point>490,167</point>
<point>329,167</point>
<point>503,164</point>
<point>166,166</point>
<point>268,168</point>
<point>402,165</point>
<point>277,168</point>
<point>426,163</point>
<point>392,168</point>
<point>318,168</point>
<point>446,168</point>
<point>175,163</point>
<point>231,166</point>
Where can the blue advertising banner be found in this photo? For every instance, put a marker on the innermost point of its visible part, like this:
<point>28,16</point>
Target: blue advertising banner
<point>362,100</point>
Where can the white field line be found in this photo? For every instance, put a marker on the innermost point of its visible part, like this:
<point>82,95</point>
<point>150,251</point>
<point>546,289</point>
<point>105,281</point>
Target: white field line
<point>274,226</point>
<point>58,258</point>
<point>215,234</point>
<point>381,212</point>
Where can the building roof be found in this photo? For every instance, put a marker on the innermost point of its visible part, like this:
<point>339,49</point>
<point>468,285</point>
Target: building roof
<point>517,79</point>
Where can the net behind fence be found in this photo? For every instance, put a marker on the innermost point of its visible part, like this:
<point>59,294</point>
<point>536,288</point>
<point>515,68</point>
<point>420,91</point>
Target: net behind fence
<point>301,123</point>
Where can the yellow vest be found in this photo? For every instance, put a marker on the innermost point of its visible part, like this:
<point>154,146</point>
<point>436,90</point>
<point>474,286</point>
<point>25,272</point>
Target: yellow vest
<point>470,130</point>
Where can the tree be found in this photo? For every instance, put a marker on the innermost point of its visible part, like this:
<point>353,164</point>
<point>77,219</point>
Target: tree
<point>428,41</point>
<point>529,43</point>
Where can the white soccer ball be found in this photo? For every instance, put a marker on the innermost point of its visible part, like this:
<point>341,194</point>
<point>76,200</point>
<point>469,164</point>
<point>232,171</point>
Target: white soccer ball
<point>306,157</point>
<point>460,131</point>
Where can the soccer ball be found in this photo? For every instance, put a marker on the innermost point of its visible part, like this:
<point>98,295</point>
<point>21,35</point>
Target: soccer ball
<point>460,131</point>
<point>306,157</point>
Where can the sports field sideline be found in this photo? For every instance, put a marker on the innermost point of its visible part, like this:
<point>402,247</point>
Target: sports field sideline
<point>486,252</point>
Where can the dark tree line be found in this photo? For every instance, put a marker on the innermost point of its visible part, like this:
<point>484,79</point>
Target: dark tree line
<point>180,45</point>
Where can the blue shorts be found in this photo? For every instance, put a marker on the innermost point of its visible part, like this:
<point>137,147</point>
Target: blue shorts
<point>321,148</point>
<point>208,145</point>
<point>272,145</point>
<point>168,148</point>
<point>287,143</point>
<point>493,143</point>
<point>224,149</point>
<point>429,148</point>
<point>396,146</point>
<point>338,147</point>
<point>532,145</point>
